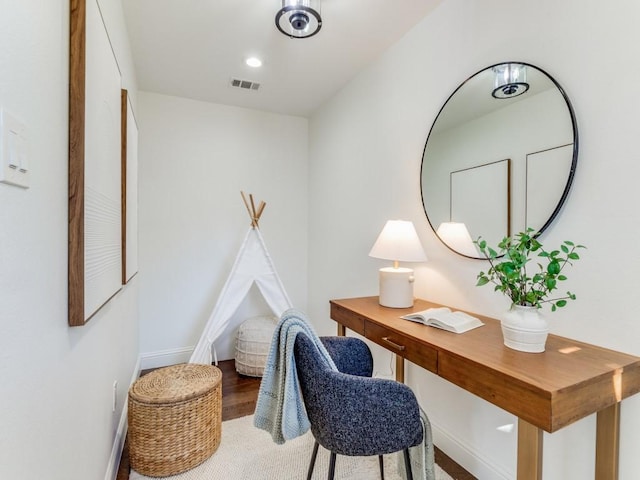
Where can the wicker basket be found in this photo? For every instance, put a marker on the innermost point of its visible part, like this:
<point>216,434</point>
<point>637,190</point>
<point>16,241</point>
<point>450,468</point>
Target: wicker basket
<point>175,417</point>
<point>252,344</point>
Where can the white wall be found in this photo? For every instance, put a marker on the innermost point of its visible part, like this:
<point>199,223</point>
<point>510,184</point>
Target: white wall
<point>195,158</point>
<point>365,151</point>
<point>362,169</point>
<point>56,381</point>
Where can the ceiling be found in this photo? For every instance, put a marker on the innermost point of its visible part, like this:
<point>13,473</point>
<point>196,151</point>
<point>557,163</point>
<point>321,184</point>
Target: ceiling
<point>473,98</point>
<point>193,48</point>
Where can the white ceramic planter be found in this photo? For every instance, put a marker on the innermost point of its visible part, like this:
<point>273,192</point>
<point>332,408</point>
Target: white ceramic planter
<point>525,329</point>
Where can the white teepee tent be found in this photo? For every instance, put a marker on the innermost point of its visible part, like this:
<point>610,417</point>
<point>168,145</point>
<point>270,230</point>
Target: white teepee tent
<point>252,265</point>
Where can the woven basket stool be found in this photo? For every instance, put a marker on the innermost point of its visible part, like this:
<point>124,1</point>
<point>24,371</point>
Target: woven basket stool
<point>252,344</point>
<point>175,417</point>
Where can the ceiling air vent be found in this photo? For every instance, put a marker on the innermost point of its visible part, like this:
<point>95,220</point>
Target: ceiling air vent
<point>244,84</point>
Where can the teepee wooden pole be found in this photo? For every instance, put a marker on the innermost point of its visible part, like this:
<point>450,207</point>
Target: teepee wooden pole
<point>251,209</point>
<point>253,205</point>
<point>260,209</point>
<point>246,204</point>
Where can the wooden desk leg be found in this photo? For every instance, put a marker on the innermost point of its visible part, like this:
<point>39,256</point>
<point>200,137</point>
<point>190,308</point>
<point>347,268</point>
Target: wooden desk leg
<point>529,451</point>
<point>342,330</point>
<point>400,369</point>
<point>607,442</point>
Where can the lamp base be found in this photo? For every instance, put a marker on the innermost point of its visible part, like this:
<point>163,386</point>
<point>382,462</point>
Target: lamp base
<point>396,287</point>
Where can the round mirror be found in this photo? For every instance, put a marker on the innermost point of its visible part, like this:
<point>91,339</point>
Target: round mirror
<point>500,157</point>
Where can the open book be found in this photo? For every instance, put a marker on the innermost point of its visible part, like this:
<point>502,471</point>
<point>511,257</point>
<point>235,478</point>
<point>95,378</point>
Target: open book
<point>456,322</point>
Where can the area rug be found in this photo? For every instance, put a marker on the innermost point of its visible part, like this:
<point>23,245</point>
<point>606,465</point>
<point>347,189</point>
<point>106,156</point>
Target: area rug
<point>247,453</point>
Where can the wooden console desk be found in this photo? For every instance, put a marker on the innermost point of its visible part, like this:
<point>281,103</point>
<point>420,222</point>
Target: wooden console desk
<point>546,391</point>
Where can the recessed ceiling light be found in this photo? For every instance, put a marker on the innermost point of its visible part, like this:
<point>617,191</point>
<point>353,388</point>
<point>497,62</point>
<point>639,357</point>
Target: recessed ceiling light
<point>254,62</point>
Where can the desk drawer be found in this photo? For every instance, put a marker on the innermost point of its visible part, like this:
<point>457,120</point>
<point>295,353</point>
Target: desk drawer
<point>414,351</point>
<point>349,319</point>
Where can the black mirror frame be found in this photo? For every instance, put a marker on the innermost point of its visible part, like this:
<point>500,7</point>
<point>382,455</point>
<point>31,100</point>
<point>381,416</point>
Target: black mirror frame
<point>574,160</point>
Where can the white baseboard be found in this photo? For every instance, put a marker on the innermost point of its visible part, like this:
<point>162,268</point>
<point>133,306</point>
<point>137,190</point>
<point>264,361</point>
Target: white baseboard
<point>118,445</point>
<point>121,434</point>
<point>164,358</point>
<point>466,457</point>
<point>146,360</point>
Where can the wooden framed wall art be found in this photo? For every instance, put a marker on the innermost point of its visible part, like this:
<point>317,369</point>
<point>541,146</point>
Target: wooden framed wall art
<point>481,199</point>
<point>95,266</point>
<point>547,171</point>
<point>129,190</point>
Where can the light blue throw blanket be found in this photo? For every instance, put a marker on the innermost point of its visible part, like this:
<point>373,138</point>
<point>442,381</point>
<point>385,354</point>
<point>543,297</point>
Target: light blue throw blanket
<point>421,456</point>
<point>280,407</point>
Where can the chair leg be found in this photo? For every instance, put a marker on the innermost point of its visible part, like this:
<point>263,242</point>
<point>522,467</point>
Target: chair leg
<point>407,464</point>
<point>313,460</point>
<point>381,461</point>
<point>332,465</point>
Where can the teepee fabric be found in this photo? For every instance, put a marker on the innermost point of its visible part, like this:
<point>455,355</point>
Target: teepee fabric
<point>252,265</point>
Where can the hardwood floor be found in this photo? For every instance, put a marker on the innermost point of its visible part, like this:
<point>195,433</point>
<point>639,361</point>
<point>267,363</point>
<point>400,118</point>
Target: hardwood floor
<point>239,395</point>
<point>239,392</point>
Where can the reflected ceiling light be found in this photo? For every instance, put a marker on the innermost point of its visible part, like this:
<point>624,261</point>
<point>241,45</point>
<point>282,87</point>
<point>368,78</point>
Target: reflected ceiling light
<point>299,18</point>
<point>510,80</point>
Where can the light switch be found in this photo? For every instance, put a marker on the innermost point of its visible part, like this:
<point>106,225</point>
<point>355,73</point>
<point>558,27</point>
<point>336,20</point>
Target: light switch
<point>14,166</point>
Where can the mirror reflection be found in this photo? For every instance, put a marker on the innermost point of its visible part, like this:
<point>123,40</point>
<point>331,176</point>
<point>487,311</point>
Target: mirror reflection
<point>499,158</point>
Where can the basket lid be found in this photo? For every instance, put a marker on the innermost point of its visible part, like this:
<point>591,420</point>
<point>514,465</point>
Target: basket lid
<point>175,383</point>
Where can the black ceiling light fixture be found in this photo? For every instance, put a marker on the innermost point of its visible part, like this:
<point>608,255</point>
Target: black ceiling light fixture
<point>299,18</point>
<point>510,80</point>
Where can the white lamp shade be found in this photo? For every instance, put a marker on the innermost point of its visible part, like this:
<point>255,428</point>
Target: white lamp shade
<point>456,236</point>
<point>399,242</point>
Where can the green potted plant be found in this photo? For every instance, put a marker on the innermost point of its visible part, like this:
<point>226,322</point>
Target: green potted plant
<point>512,272</point>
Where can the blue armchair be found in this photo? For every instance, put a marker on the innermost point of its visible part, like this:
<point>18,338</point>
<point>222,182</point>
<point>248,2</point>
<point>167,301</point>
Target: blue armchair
<point>350,412</point>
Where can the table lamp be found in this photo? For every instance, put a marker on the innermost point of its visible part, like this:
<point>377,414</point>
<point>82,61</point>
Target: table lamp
<point>399,242</point>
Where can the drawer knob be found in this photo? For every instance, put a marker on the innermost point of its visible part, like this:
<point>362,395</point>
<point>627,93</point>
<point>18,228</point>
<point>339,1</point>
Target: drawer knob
<point>393,344</point>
